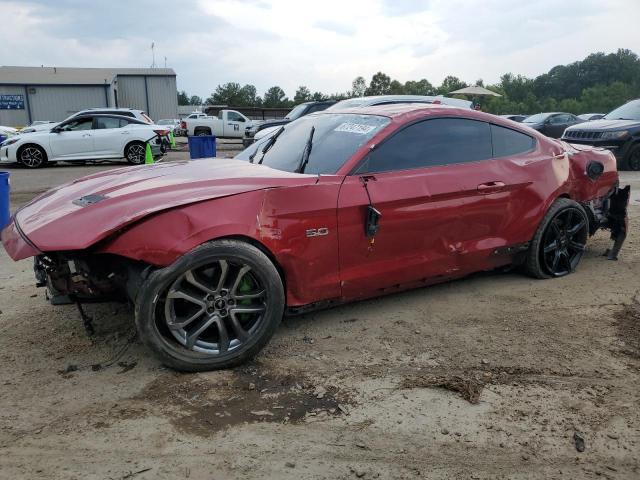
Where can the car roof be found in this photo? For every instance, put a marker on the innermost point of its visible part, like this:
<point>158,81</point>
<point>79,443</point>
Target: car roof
<point>394,109</point>
<point>108,115</point>
<point>114,109</point>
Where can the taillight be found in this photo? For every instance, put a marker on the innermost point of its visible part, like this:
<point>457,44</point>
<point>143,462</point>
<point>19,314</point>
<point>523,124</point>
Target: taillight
<point>183,125</point>
<point>162,133</point>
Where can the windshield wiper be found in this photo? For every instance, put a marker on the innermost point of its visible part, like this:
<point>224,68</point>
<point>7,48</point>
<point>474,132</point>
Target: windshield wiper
<point>270,142</point>
<point>306,152</point>
<point>253,155</point>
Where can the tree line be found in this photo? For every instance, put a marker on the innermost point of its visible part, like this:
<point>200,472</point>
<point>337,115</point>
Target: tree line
<point>598,83</point>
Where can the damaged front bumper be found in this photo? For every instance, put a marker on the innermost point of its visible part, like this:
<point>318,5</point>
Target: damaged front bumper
<point>610,213</point>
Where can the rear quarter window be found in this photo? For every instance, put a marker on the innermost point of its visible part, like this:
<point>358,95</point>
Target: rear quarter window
<point>507,142</point>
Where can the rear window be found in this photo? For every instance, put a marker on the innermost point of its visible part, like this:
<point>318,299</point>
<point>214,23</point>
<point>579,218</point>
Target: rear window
<point>143,115</point>
<point>507,142</point>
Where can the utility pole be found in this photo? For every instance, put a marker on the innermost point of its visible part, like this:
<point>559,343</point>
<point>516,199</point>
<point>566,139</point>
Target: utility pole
<point>153,54</point>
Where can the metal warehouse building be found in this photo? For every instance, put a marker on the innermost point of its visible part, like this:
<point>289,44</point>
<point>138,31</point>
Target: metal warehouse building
<point>53,93</point>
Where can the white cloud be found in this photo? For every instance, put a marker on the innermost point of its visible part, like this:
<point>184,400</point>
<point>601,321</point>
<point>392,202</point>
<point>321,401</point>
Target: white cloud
<point>322,45</point>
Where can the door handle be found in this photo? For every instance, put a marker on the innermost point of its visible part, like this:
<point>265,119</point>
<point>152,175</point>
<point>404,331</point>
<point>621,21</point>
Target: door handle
<point>86,135</point>
<point>491,187</point>
<point>124,133</point>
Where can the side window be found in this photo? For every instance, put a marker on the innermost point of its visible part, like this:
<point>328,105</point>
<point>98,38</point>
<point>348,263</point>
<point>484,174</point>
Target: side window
<point>76,125</point>
<point>123,122</point>
<point>234,117</point>
<point>441,141</point>
<point>107,122</point>
<point>508,142</point>
<point>559,119</point>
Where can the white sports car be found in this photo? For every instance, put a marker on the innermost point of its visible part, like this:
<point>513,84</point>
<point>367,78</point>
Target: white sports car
<point>86,137</point>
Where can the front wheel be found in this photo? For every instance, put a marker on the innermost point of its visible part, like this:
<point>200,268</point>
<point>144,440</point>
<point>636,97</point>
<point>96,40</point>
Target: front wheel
<point>135,153</point>
<point>215,307</point>
<point>560,240</point>
<point>32,156</point>
<point>632,161</point>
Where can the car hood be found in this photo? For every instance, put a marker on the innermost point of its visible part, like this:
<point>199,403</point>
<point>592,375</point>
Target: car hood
<point>77,215</point>
<point>605,124</point>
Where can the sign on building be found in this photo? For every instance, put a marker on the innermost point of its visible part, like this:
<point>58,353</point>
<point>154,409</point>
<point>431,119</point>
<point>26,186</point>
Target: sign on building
<point>11,102</point>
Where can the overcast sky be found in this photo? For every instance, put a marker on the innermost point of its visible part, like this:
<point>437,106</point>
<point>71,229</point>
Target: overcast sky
<point>321,44</point>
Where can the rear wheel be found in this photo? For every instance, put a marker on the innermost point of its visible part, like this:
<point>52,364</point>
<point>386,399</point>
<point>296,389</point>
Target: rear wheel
<point>560,241</point>
<point>202,132</point>
<point>32,156</point>
<point>632,161</point>
<point>135,153</point>
<point>214,308</point>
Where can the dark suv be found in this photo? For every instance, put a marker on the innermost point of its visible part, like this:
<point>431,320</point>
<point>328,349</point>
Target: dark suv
<point>618,131</point>
<point>298,111</point>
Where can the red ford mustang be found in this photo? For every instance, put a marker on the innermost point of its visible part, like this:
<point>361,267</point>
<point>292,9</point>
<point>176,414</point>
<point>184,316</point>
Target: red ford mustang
<point>334,207</point>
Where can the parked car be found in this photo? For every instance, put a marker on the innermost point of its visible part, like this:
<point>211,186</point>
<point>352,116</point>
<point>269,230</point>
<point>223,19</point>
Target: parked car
<point>193,115</point>
<point>618,131</point>
<point>361,102</point>
<point>86,137</point>
<point>228,124</point>
<point>298,111</point>
<point>587,117</point>
<point>172,123</point>
<point>339,206</point>
<point>515,118</point>
<point>552,124</point>
<point>126,112</point>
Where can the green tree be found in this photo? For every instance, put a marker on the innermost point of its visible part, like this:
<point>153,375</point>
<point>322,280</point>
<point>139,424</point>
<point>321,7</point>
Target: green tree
<point>380,84</point>
<point>396,88</point>
<point>195,100</point>
<point>420,87</point>
<point>319,97</point>
<point>449,84</point>
<point>275,97</point>
<point>233,95</point>
<point>302,95</point>
<point>358,87</point>
<point>183,98</point>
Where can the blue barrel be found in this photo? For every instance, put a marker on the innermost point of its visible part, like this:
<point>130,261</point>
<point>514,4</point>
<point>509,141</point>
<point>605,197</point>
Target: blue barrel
<point>4,199</point>
<point>203,146</point>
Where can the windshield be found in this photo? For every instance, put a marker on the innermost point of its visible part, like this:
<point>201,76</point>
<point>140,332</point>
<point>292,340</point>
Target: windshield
<point>628,111</point>
<point>537,118</point>
<point>335,140</point>
<point>296,112</point>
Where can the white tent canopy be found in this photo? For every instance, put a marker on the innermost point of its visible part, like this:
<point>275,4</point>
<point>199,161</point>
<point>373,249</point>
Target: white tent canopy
<point>475,91</point>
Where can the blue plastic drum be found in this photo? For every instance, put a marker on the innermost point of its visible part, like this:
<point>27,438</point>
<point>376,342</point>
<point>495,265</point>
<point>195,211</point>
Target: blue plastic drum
<point>4,199</point>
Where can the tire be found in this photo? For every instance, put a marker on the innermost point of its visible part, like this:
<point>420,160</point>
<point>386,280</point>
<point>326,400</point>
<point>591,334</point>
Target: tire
<point>32,156</point>
<point>632,159</point>
<point>135,153</point>
<point>559,242</point>
<point>194,322</point>
<point>202,132</point>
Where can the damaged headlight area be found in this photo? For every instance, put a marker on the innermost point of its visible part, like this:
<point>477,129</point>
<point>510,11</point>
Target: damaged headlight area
<point>79,278</point>
<point>610,212</point>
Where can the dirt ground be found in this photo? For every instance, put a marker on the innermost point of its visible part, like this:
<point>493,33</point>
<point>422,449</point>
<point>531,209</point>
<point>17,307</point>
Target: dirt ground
<point>494,376</point>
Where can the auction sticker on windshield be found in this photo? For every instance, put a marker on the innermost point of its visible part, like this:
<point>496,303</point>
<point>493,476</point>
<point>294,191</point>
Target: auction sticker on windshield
<point>358,128</point>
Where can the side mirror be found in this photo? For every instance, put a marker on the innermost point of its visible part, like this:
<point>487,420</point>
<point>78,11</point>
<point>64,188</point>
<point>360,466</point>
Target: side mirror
<point>56,129</point>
